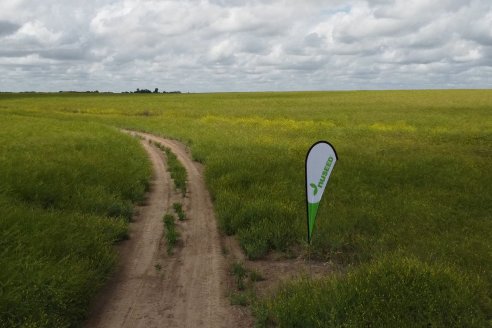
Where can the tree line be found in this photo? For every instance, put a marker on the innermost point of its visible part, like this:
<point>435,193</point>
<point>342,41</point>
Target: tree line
<point>156,90</point>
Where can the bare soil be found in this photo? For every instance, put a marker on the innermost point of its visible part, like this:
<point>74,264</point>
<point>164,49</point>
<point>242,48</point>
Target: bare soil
<point>276,268</point>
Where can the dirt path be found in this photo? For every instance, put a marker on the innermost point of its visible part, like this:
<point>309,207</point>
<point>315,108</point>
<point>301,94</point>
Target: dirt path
<point>187,289</point>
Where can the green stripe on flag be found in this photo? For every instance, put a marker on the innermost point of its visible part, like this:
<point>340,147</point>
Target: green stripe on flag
<point>312,211</point>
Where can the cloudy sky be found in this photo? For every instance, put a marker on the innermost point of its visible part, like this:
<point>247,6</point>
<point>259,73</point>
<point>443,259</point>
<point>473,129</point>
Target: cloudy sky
<point>237,45</point>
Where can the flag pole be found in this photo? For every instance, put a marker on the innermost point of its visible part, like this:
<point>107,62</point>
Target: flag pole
<point>309,259</point>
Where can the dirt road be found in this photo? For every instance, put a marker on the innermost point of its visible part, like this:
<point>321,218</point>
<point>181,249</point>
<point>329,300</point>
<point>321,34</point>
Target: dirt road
<point>153,289</point>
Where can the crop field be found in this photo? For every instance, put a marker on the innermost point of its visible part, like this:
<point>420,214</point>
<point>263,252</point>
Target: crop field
<point>407,212</point>
<point>66,193</point>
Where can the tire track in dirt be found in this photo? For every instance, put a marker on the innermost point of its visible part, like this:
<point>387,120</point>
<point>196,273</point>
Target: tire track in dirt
<point>187,289</point>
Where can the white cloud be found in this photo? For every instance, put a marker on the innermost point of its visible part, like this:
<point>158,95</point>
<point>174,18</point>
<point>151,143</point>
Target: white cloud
<point>218,45</point>
<point>36,32</point>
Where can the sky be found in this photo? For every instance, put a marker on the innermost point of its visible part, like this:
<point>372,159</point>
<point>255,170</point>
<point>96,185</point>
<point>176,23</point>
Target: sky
<point>236,45</point>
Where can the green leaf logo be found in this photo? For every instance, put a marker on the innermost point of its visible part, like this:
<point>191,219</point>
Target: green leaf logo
<point>315,191</point>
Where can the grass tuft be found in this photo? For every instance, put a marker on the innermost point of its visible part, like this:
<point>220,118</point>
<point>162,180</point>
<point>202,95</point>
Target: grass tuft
<point>172,234</point>
<point>175,168</point>
<point>240,298</point>
<point>255,276</point>
<point>178,208</point>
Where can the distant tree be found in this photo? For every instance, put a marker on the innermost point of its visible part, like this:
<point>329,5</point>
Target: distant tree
<point>143,91</point>
<point>156,90</point>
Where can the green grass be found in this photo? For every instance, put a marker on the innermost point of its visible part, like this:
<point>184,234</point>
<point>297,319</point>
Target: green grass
<point>172,235</point>
<point>66,195</point>
<point>240,274</point>
<point>244,279</point>
<point>255,276</point>
<point>177,170</point>
<point>413,178</point>
<point>392,292</point>
<point>67,165</point>
<point>239,298</point>
<point>178,208</point>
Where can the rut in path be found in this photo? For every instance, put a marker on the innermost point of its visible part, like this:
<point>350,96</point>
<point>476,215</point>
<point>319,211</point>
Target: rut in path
<point>152,289</point>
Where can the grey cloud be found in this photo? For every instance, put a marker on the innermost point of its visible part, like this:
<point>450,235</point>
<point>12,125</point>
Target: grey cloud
<point>66,54</point>
<point>7,28</point>
<point>313,40</point>
<point>14,53</point>
<point>56,54</point>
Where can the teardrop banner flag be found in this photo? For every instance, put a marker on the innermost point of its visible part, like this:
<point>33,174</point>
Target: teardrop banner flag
<point>320,160</point>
